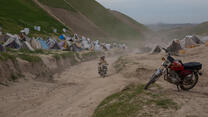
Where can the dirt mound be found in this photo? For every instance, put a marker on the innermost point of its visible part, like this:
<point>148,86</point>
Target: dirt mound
<point>131,68</point>
<point>191,103</point>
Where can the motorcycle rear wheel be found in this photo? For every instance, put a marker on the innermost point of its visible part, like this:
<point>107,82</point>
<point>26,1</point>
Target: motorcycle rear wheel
<point>192,85</point>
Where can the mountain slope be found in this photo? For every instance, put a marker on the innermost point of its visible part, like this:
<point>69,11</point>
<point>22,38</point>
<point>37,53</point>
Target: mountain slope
<point>98,16</point>
<point>181,31</point>
<point>201,29</point>
<point>17,14</point>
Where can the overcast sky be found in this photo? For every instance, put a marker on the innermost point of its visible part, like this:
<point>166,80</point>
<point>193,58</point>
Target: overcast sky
<point>161,11</point>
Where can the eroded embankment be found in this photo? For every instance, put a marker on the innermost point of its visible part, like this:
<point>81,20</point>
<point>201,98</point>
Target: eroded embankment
<point>38,66</point>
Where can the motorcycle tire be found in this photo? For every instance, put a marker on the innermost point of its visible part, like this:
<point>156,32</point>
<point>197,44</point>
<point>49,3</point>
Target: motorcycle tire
<point>151,81</point>
<point>192,86</point>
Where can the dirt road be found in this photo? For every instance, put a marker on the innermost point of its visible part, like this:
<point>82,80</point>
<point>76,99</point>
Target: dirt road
<point>75,93</point>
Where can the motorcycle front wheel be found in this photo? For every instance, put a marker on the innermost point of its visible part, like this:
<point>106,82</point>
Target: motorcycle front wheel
<point>151,81</point>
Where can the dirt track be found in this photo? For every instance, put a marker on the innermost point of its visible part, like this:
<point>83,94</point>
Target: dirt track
<point>75,93</point>
<point>78,90</point>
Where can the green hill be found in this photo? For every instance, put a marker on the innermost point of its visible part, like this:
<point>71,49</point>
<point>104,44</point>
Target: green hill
<point>18,14</point>
<point>201,29</point>
<point>85,17</point>
<point>103,18</point>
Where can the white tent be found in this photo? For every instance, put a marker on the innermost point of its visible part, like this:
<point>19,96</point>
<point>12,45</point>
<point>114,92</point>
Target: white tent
<point>108,46</point>
<point>85,44</point>
<point>97,47</point>
<point>27,31</point>
<point>190,41</point>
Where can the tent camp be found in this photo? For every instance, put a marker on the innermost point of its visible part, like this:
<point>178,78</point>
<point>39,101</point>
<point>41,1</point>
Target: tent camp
<point>191,41</point>
<point>174,47</point>
<point>156,50</point>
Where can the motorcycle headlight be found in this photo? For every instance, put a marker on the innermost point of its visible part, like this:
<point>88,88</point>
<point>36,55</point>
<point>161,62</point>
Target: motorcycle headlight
<point>163,58</point>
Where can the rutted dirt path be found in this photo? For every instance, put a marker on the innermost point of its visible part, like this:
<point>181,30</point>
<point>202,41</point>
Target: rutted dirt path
<point>75,93</point>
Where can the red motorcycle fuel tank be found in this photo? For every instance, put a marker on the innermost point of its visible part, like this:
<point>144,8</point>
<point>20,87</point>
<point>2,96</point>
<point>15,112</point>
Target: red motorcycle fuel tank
<point>176,66</point>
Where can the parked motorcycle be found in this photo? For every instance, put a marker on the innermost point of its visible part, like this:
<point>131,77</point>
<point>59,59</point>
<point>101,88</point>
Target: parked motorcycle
<point>103,70</point>
<point>183,75</point>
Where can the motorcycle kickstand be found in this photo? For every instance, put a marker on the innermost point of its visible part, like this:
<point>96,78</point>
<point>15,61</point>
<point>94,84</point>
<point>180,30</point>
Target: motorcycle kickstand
<point>178,88</point>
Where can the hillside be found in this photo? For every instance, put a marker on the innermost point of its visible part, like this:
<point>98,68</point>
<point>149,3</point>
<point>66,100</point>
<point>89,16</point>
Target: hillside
<point>90,18</point>
<point>201,29</point>
<point>180,31</point>
<point>17,14</point>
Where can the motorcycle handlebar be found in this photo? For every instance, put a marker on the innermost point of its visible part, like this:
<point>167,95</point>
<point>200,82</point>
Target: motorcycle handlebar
<point>166,51</point>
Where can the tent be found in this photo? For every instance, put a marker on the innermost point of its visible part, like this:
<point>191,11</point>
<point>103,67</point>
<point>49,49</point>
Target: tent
<point>85,44</point>
<point>107,47</point>
<point>43,44</point>
<point>51,43</point>
<point>12,43</point>
<point>4,38</point>
<point>174,47</point>
<point>61,37</point>
<point>97,47</point>
<point>55,46</point>
<point>204,39</point>
<point>206,43</point>
<point>156,50</point>
<point>62,45</point>
<point>35,44</point>
<point>76,47</point>
<point>197,40</point>
<point>27,31</point>
<point>191,41</point>
<point>27,45</point>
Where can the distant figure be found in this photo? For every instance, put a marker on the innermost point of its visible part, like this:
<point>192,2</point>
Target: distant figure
<point>102,67</point>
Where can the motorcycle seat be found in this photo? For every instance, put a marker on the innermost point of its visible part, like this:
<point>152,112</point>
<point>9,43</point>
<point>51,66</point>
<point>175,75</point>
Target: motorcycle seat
<point>192,66</point>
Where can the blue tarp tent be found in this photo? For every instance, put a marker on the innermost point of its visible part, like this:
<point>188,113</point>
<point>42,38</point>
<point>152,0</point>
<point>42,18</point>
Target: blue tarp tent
<point>61,37</point>
<point>43,44</point>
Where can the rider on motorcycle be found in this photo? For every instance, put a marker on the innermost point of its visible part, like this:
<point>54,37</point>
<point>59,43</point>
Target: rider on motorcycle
<point>102,62</point>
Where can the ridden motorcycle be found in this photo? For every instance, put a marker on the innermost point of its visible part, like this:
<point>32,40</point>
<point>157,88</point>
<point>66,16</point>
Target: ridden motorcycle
<point>183,75</point>
<point>103,70</point>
